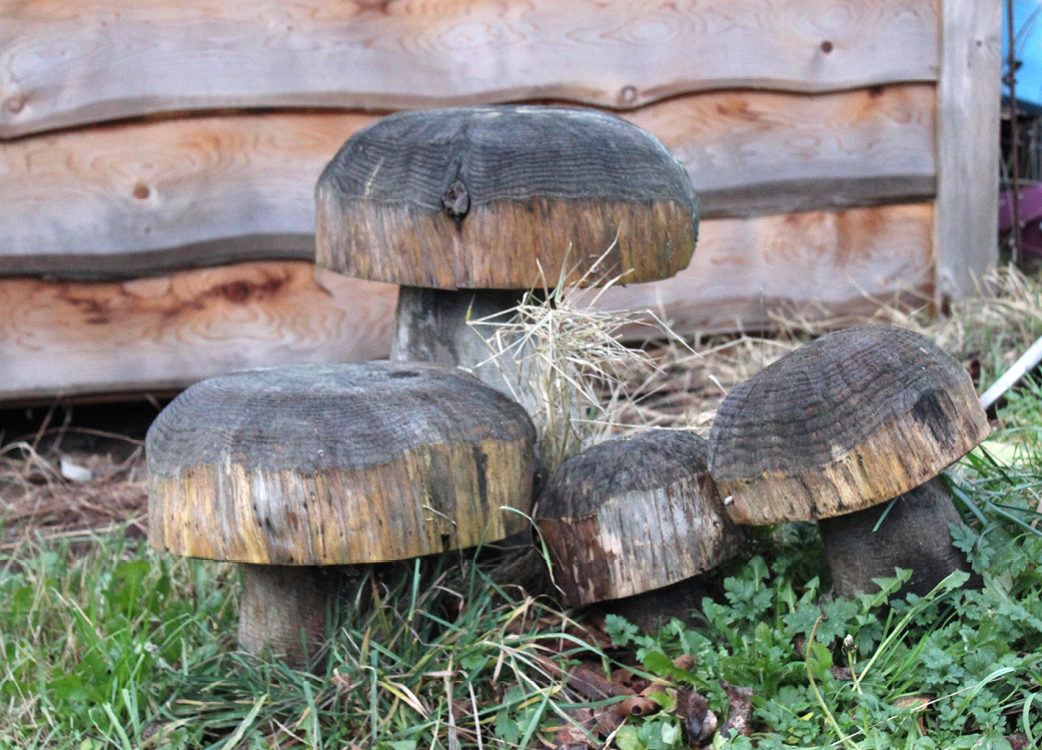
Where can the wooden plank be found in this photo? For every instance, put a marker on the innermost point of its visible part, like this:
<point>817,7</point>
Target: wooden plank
<point>966,227</point>
<point>134,199</point>
<point>129,200</point>
<point>163,333</point>
<point>747,274</point>
<point>765,152</point>
<point>65,64</point>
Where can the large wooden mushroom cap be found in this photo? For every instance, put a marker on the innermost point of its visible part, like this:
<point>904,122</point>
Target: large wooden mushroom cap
<point>850,420</point>
<point>631,515</point>
<point>330,464</point>
<point>503,198</point>
<point>291,468</point>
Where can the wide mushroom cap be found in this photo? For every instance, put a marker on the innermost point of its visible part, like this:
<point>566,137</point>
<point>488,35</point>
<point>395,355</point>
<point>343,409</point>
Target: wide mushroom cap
<point>504,197</point>
<point>850,420</point>
<point>328,464</point>
<point>634,514</point>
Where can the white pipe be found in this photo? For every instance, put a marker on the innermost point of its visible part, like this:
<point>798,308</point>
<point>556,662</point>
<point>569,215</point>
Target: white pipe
<point>1027,360</point>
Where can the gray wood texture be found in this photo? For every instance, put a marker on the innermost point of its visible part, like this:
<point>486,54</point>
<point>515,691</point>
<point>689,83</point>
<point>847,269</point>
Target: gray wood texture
<point>966,225</point>
<point>913,534</point>
<point>634,514</point>
<point>509,197</point>
<point>848,421</point>
<point>337,463</point>
<point>68,65</point>
<point>128,200</point>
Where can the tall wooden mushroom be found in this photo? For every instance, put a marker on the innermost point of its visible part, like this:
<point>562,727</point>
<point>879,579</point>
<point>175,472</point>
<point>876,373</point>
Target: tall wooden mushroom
<point>292,468</point>
<point>467,208</point>
<point>633,520</point>
<point>851,420</point>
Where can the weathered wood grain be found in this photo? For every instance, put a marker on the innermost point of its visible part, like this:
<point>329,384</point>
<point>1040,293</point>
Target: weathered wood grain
<point>634,514</point>
<point>324,464</point>
<point>756,152</point>
<point>966,226</point>
<point>749,273</point>
<point>337,464</point>
<point>163,333</point>
<point>166,332</point>
<point>848,421</point>
<point>67,64</point>
<point>509,197</point>
<point>129,200</point>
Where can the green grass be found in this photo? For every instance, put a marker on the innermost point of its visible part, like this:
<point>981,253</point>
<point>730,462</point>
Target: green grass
<point>108,644</point>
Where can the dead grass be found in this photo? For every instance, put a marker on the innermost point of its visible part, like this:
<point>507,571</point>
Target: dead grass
<point>52,492</point>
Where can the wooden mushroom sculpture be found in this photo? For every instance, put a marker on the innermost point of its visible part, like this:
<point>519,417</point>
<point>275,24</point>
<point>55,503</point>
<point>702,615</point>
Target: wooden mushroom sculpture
<point>467,208</point>
<point>851,420</point>
<point>292,468</point>
<point>634,519</point>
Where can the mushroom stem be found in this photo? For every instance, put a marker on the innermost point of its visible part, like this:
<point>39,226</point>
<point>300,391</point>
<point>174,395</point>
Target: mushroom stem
<point>914,534</point>
<point>431,325</point>
<point>286,608</point>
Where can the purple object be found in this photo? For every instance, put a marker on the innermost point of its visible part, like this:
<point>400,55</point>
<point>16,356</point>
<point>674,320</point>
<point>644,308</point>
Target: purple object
<point>1030,216</point>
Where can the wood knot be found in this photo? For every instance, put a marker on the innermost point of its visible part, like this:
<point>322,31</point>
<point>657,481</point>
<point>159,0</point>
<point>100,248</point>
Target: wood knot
<point>456,200</point>
<point>628,94</point>
<point>15,104</point>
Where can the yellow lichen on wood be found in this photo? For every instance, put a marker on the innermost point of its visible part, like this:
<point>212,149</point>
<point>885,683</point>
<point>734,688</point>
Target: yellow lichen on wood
<point>403,245</point>
<point>394,511</point>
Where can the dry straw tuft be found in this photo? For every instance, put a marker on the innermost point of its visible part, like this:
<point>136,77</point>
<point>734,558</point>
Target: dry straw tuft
<point>582,383</point>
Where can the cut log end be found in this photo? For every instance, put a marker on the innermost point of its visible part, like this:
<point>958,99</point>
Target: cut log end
<point>848,421</point>
<point>632,515</point>
<point>509,197</point>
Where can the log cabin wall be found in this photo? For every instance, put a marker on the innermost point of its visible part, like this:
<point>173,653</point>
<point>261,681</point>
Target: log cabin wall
<point>157,162</point>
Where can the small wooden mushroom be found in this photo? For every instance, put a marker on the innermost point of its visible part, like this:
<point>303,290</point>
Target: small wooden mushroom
<point>634,519</point>
<point>853,419</point>
<point>467,208</point>
<point>292,468</point>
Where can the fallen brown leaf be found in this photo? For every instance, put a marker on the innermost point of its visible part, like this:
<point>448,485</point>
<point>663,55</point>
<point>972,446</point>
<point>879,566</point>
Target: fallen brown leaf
<point>693,711</point>
<point>739,710</point>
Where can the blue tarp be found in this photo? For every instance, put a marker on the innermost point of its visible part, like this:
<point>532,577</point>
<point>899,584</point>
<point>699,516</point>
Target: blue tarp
<point>1027,45</point>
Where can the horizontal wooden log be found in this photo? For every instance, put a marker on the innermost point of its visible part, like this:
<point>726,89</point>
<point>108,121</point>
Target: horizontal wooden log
<point>136,199</point>
<point>164,333</point>
<point>750,274</point>
<point>63,65</point>
<point>758,152</point>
